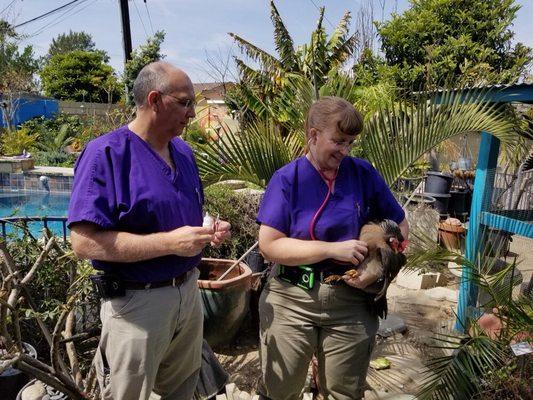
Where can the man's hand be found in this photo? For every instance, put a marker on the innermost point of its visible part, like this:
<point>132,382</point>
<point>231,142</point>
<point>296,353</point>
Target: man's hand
<point>189,241</point>
<point>222,232</point>
<point>352,251</point>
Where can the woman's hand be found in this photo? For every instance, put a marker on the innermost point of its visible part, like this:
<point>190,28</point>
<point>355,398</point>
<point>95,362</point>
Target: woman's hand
<point>352,251</point>
<point>361,280</point>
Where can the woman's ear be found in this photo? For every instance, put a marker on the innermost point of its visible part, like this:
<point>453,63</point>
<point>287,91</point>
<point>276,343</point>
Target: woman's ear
<point>313,132</point>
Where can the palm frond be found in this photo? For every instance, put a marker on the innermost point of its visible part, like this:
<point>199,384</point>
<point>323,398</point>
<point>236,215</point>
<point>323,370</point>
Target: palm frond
<point>267,60</point>
<point>252,155</point>
<point>400,133</point>
<point>283,41</point>
<point>339,35</point>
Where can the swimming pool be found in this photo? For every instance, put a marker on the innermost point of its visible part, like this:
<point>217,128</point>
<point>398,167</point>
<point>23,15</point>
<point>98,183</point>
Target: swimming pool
<point>34,204</point>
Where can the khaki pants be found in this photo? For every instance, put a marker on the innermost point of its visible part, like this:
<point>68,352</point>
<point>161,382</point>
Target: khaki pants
<point>331,321</point>
<point>151,343</point>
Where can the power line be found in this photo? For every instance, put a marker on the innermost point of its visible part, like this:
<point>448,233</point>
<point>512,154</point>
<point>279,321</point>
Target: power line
<point>6,7</point>
<point>47,13</point>
<point>61,17</point>
<point>140,19</point>
<point>326,18</point>
<point>149,18</point>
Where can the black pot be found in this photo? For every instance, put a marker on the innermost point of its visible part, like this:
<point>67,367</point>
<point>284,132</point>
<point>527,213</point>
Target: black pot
<point>437,182</point>
<point>457,203</point>
<point>441,202</point>
<point>255,261</point>
<point>12,379</point>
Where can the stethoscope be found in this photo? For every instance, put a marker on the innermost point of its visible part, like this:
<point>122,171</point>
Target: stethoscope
<point>329,183</point>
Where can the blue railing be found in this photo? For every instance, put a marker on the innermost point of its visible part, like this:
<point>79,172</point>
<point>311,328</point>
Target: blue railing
<point>22,222</point>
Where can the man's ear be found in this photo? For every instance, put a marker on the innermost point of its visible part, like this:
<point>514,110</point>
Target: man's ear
<point>153,100</point>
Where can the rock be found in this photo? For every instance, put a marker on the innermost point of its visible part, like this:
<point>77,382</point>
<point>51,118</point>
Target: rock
<point>33,392</point>
<point>221,397</point>
<point>244,396</point>
<point>414,280</point>
<point>232,391</point>
<point>391,325</point>
<point>442,293</point>
<point>380,363</point>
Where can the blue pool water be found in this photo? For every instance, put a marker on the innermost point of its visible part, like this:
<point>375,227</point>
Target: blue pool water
<point>34,204</point>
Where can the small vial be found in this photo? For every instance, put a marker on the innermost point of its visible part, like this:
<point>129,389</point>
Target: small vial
<point>208,221</point>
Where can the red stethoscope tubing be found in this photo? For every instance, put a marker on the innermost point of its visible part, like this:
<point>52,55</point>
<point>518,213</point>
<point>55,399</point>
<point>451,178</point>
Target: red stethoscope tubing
<point>329,183</point>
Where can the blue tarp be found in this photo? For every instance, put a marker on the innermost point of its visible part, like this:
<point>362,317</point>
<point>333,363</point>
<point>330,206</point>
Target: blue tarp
<point>30,107</point>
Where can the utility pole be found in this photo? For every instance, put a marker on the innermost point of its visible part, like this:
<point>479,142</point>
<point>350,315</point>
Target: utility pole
<point>126,36</point>
<point>126,32</point>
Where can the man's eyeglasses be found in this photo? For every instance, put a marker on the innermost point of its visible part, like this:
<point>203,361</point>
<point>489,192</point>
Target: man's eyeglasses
<point>187,103</point>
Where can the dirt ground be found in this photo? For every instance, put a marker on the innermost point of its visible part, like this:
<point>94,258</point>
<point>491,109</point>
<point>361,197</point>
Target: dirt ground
<point>406,352</point>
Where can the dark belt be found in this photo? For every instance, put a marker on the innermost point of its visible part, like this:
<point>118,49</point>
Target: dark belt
<point>174,282</point>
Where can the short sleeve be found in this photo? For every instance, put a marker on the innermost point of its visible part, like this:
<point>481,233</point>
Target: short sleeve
<point>93,196</point>
<point>274,210</point>
<point>383,204</point>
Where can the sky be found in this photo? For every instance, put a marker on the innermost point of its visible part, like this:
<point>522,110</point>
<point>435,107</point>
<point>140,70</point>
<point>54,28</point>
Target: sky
<point>197,31</point>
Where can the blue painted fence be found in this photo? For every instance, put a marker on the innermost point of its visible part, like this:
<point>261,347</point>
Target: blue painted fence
<point>28,107</point>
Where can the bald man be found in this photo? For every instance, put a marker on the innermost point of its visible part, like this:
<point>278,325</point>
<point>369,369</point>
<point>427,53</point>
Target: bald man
<point>136,213</point>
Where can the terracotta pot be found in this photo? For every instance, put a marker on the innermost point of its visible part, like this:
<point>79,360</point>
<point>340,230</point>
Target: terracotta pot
<point>451,236</point>
<point>225,302</point>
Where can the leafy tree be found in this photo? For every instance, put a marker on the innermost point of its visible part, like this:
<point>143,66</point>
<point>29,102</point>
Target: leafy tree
<point>71,41</point>
<point>147,53</point>
<point>314,61</point>
<point>16,67</point>
<point>16,71</point>
<point>80,76</point>
<point>459,41</point>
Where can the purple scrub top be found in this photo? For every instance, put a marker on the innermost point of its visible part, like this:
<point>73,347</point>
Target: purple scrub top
<point>122,184</point>
<point>296,191</point>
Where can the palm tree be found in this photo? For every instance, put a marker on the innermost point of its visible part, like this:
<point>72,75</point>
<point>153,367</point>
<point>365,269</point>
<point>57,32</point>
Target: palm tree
<point>478,364</point>
<point>314,61</point>
<point>394,138</point>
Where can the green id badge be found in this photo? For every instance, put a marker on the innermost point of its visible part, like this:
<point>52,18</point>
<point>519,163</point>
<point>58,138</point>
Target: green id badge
<point>301,276</point>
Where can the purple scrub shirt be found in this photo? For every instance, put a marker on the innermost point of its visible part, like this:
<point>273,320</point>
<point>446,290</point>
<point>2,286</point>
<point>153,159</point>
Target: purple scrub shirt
<point>296,191</point>
<point>122,184</point>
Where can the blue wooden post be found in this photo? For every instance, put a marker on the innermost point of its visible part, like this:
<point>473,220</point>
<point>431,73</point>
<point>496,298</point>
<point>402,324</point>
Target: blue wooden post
<point>481,198</point>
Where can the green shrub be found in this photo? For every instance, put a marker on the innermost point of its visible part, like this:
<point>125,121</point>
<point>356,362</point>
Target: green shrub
<point>54,158</point>
<point>14,142</point>
<point>239,209</point>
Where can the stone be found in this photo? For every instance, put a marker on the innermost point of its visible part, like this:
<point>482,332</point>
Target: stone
<point>442,293</point>
<point>232,391</point>
<point>221,397</point>
<point>33,392</point>
<point>416,281</point>
<point>244,396</point>
<point>391,325</point>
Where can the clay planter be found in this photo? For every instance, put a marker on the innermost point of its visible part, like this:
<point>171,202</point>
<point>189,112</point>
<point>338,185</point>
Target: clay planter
<point>451,236</point>
<point>225,302</point>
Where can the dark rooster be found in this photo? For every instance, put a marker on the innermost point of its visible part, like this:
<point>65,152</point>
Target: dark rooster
<point>382,263</point>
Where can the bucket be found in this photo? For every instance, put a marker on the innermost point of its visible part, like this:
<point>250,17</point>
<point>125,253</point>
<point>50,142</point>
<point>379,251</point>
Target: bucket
<point>12,379</point>
<point>225,302</point>
<point>441,202</point>
<point>457,203</point>
<point>255,261</point>
<point>438,183</point>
